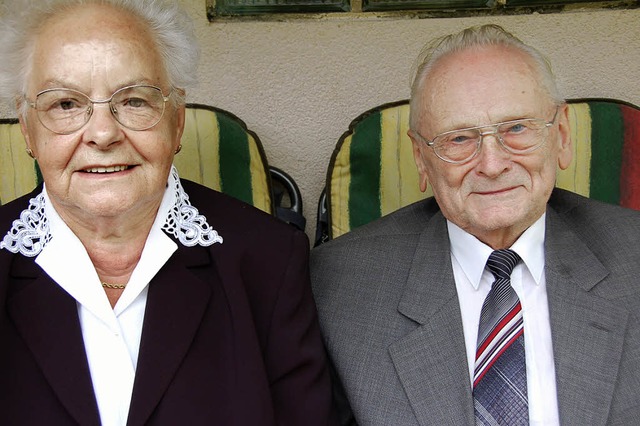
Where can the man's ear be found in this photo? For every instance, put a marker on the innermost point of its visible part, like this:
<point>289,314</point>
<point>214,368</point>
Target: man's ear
<point>565,152</point>
<point>417,156</point>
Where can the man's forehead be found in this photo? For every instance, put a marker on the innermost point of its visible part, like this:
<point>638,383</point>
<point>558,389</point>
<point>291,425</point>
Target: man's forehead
<point>482,86</point>
<point>468,71</point>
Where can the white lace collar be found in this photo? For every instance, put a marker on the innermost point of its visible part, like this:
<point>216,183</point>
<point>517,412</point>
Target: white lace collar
<point>30,233</point>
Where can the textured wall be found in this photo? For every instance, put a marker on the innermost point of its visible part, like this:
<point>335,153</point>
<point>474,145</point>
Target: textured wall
<point>298,84</point>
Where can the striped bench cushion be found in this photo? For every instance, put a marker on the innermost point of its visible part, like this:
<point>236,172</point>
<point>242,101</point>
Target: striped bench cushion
<point>372,171</point>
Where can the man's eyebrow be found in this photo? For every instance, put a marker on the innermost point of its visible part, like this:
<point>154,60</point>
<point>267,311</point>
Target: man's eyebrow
<point>506,118</point>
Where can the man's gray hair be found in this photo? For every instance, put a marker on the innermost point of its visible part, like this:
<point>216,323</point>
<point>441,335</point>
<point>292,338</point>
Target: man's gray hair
<point>474,37</point>
<point>171,29</point>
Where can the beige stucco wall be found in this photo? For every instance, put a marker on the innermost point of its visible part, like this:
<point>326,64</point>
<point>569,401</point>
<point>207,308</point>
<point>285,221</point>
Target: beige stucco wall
<point>298,84</point>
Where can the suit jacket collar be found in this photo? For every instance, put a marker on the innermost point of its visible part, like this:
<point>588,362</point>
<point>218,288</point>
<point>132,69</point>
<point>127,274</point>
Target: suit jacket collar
<point>431,361</point>
<point>173,313</point>
<point>587,329</point>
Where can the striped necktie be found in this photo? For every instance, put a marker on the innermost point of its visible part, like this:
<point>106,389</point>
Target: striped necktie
<point>500,377</point>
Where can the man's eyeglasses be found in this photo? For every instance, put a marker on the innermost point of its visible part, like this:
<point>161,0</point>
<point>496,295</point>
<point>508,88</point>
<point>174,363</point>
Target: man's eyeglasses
<point>516,136</point>
<point>64,111</point>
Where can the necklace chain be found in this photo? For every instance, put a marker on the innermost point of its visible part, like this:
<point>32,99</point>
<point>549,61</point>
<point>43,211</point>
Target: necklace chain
<point>113,286</point>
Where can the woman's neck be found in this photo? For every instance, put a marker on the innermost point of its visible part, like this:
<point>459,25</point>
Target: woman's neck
<point>114,243</point>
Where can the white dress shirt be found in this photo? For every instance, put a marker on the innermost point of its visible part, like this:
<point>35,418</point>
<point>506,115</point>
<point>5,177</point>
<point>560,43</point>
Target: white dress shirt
<point>111,336</point>
<point>473,282</point>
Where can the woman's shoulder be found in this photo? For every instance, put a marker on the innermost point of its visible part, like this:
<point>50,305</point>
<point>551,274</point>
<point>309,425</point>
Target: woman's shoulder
<point>12,210</point>
<point>262,243</point>
<point>225,213</point>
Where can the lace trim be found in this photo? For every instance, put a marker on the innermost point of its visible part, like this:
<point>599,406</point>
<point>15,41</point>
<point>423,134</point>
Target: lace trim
<point>29,234</point>
<point>185,222</point>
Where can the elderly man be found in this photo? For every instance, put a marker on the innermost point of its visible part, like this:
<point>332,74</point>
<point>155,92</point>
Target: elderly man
<point>501,300</point>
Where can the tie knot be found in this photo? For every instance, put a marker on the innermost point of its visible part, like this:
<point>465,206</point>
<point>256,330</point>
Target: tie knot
<point>502,262</point>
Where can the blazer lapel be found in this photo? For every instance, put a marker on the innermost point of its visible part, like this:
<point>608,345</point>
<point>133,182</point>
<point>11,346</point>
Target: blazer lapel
<point>47,319</point>
<point>176,303</point>
<point>431,361</point>
<point>587,330</point>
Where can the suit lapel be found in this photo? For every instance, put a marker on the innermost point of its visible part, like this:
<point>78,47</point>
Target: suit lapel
<point>431,361</point>
<point>47,319</point>
<point>587,330</point>
<point>176,303</point>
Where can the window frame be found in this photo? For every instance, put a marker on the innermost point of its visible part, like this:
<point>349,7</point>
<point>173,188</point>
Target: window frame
<point>409,9</point>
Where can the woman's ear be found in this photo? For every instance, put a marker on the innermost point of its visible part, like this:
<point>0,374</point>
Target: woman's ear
<point>25,130</point>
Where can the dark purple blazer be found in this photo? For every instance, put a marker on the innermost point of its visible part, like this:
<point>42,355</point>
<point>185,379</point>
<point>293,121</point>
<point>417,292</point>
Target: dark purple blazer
<point>230,334</point>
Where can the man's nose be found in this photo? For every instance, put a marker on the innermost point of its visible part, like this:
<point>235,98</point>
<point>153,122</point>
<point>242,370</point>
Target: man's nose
<point>493,157</point>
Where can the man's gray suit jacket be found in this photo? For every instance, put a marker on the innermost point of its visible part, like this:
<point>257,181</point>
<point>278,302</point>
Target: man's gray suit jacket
<point>391,320</point>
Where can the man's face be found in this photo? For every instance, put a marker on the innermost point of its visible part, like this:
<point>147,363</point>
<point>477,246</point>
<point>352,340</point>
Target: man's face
<point>497,195</point>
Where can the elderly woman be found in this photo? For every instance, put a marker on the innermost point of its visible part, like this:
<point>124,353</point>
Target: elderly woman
<point>128,296</point>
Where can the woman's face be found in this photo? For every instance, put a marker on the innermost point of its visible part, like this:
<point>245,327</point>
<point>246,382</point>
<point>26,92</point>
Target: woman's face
<point>103,169</point>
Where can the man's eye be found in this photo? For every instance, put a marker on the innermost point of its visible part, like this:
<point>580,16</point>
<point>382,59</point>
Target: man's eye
<point>516,128</point>
<point>461,138</point>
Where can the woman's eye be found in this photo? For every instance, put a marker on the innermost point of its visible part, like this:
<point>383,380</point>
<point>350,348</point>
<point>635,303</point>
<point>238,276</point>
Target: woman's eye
<point>65,105</point>
<point>135,103</point>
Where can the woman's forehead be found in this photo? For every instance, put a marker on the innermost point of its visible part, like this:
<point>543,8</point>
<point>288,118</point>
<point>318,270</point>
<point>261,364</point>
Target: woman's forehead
<point>85,55</point>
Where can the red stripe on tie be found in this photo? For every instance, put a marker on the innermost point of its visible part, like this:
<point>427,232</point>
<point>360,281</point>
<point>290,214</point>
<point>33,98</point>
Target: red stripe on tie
<point>495,357</point>
<point>504,342</point>
<point>499,326</point>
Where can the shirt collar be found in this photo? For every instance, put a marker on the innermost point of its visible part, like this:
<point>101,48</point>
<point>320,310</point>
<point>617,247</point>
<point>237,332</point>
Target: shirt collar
<point>472,254</point>
<point>65,260</point>
<point>31,232</point>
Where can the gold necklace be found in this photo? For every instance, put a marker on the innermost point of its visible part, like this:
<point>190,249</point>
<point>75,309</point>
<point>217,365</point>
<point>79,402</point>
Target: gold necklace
<point>113,286</point>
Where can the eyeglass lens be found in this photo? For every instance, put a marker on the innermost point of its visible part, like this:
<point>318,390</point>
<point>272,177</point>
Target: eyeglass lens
<point>518,136</point>
<point>64,111</point>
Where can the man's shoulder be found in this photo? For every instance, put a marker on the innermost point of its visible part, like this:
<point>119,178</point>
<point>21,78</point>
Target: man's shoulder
<point>373,258</point>
<point>580,210</point>
<point>408,220</point>
<point>609,232</point>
